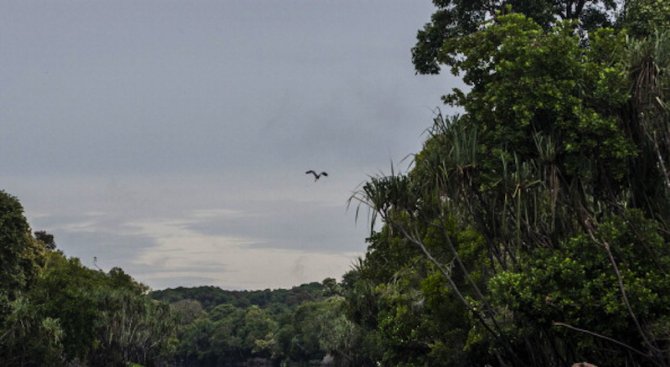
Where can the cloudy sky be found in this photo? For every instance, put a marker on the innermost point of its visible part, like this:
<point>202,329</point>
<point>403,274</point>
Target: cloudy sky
<point>170,138</point>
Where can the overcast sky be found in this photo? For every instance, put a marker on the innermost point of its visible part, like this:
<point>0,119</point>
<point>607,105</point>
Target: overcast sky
<point>171,138</point>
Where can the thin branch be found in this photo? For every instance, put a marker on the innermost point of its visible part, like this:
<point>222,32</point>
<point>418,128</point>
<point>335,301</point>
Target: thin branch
<point>447,275</point>
<point>622,289</point>
<point>557,323</point>
<point>482,318</point>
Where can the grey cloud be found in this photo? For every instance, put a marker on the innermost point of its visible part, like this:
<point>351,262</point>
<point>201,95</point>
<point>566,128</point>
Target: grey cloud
<point>143,87</point>
<point>122,112</point>
<point>289,225</point>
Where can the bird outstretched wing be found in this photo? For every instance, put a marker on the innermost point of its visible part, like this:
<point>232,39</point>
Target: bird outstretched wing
<point>316,175</point>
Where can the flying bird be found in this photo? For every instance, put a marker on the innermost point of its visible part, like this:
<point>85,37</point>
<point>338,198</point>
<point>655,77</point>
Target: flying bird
<point>317,175</point>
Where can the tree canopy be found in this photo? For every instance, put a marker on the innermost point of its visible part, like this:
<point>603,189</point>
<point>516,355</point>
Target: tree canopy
<point>532,228</point>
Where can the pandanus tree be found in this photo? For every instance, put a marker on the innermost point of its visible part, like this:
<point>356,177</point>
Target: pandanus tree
<point>543,208</point>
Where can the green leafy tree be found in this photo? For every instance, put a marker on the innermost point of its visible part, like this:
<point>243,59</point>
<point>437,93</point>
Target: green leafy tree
<point>20,255</point>
<point>560,154</point>
<point>187,311</point>
<point>47,239</point>
<point>131,327</point>
<point>645,17</point>
<point>457,18</point>
<point>27,338</point>
<point>67,291</point>
<point>576,289</point>
<point>30,339</point>
<point>195,343</point>
<point>258,332</point>
<point>106,318</point>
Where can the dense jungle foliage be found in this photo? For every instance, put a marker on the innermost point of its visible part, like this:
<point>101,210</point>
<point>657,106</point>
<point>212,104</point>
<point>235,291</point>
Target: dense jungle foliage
<point>219,327</point>
<point>56,312</point>
<point>533,229</point>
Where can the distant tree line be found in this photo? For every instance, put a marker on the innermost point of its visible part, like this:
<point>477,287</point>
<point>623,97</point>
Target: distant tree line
<point>210,296</point>
<point>298,325</point>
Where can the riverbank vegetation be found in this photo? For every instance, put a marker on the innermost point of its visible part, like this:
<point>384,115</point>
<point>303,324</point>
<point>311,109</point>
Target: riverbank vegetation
<point>56,312</point>
<point>533,228</point>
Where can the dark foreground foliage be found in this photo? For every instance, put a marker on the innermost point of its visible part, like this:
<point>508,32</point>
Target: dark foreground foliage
<point>534,228</point>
